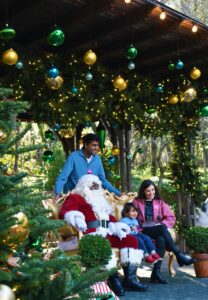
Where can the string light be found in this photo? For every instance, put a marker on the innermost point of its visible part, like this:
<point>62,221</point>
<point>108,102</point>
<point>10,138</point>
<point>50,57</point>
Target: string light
<point>194,28</point>
<point>162,15</point>
<point>127,1</point>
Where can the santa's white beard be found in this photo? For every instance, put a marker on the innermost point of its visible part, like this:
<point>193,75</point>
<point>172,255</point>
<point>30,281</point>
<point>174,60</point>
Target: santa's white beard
<point>98,202</point>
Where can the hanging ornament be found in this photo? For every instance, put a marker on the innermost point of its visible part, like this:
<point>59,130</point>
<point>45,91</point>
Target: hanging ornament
<point>67,133</point>
<point>6,293</point>
<point>56,127</point>
<point>205,90</point>
<point>119,83</point>
<point>140,150</point>
<point>101,133</point>
<point>53,72</point>
<point>111,160</point>
<point>173,99</point>
<point>56,37</point>
<point>54,83</point>
<point>88,76</point>
<point>195,73</point>
<point>88,124</point>
<point>129,156</point>
<point>49,134</point>
<point>171,66</point>
<point>89,58</point>
<point>131,65</point>
<point>159,88</point>
<point>48,156</point>
<point>9,57</point>
<point>19,65</point>
<point>189,95</point>
<point>16,234</point>
<point>131,52</point>
<point>151,111</point>
<point>7,33</point>
<point>115,151</point>
<point>3,135</point>
<point>74,90</point>
<point>179,64</point>
<point>204,111</point>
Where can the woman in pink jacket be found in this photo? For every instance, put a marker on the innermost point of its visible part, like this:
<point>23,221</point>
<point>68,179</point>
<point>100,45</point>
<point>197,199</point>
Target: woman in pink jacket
<point>155,217</point>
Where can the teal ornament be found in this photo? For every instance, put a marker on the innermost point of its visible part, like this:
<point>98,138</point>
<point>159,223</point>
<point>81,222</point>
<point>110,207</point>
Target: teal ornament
<point>115,125</point>
<point>19,65</point>
<point>171,66</point>
<point>49,134</point>
<point>56,37</point>
<point>179,64</point>
<point>131,52</point>
<point>129,156</point>
<point>131,65</point>
<point>7,33</point>
<point>204,111</point>
<point>48,156</point>
<point>140,150</point>
<point>56,127</point>
<point>53,72</point>
<point>74,90</point>
<point>88,76</point>
<point>88,124</point>
<point>101,133</point>
<point>111,160</point>
<point>159,88</point>
<point>151,110</point>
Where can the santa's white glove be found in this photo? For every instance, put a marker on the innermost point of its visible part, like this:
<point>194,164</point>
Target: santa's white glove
<point>80,223</point>
<point>119,229</point>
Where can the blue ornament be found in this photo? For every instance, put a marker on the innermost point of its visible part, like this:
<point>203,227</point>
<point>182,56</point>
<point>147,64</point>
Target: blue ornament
<point>159,88</point>
<point>179,64</point>
<point>111,160</point>
<point>53,72</point>
<point>131,65</point>
<point>56,127</point>
<point>74,90</point>
<point>88,76</point>
<point>19,65</point>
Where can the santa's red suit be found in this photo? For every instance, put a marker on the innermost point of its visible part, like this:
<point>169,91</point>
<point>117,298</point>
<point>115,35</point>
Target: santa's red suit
<point>89,211</point>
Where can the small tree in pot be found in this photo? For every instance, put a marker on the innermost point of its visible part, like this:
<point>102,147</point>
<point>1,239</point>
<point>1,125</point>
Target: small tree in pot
<point>197,241</point>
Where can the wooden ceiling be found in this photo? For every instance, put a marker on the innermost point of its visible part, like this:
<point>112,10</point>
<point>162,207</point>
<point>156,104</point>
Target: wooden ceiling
<point>108,27</point>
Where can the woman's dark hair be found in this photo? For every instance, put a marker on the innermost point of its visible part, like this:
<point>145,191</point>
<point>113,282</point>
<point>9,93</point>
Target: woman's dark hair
<point>144,185</point>
<point>90,137</point>
<point>127,208</point>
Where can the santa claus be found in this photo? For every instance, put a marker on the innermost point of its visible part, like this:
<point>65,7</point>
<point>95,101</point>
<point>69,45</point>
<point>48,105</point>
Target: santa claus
<point>88,211</point>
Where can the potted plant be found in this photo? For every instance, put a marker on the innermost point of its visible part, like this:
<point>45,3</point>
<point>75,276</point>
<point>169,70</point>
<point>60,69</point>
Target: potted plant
<point>197,241</point>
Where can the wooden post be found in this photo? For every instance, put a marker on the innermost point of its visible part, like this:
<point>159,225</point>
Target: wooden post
<point>128,159</point>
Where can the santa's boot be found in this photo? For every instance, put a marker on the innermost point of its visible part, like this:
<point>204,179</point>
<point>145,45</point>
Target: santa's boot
<point>131,281</point>
<point>115,284</point>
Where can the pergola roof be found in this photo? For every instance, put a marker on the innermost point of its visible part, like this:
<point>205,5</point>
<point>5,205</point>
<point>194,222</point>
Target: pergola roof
<point>108,27</point>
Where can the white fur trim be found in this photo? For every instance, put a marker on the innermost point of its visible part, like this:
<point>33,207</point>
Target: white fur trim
<point>112,263</point>
<point>131,255</point>
<point>69,217</point>
<point>100,231</point>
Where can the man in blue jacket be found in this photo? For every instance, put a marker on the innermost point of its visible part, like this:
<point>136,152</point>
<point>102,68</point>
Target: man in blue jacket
<point>81,162</point>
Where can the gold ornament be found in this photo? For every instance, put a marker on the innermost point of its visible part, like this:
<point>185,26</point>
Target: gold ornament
<point>115,151</point>
<point>173,99</point>
<point>195,73</point>
<point>17,233</point>
<point>90,57</point>
<point>189,95</point>
<point>54,83</point>
<point>9,57</point>
<point>119,83</point>
<point>6,293</point>
<point>67,133</point>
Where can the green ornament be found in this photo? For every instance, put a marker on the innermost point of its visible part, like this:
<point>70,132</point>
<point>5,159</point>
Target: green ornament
<point>49,134</point>
<point>151,110</point>
<point>101,133</point>
<point>56,37</point>
<point>140,150</point>
<point>131,52</point>
<point>205,90</point>
<point>7,33</point>
<point>171,66</point>
<point>204,111</point>
<point>48,156</point>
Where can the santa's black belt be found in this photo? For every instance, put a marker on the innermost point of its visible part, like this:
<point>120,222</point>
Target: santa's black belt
<point>98,223</point>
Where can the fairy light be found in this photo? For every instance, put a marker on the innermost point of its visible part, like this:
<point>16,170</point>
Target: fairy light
<point>194,28</point>
<point>162,15</point>
<point>127,1</point>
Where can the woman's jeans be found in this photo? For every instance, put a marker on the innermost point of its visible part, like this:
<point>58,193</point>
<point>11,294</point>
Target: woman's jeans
<point>145,242</point>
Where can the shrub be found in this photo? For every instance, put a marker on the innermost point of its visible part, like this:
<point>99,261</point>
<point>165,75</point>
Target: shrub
<point>94,250</point>
<point>197,239</point>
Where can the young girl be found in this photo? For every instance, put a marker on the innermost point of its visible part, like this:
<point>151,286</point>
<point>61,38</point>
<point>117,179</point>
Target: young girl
<point>129,214</point>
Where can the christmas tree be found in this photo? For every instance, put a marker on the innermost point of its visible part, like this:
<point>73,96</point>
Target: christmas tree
<point>31,265</point>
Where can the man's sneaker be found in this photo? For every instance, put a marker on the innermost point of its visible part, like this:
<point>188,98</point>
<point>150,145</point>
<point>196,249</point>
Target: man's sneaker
<point>156,256</point>
<point>150,259</point>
